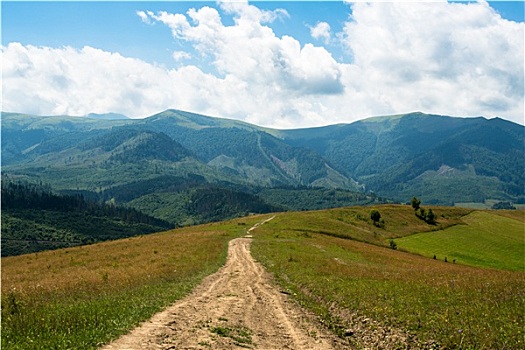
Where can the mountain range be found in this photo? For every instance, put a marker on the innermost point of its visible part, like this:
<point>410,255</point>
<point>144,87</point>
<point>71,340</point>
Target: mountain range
<point>167,161</point>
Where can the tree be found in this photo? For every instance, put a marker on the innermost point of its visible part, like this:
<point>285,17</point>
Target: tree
<point>375,216</point>
<point>430,217</point>
<point>415,203</point>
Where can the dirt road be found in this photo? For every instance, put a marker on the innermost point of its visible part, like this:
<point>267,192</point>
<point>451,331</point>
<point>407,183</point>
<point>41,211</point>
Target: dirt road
<point>236,308</point>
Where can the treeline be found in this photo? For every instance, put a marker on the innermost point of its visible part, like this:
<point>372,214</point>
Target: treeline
<point>163,183</point>
<point>22,195</point>
<point>216,204</point>
<point>36,219</point>
<point>310,198</point>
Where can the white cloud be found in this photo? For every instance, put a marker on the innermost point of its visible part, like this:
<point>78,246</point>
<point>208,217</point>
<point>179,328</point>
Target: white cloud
<point>181,55</point>
<point>321,31</point>
<point>251,52</point>
<point>451,58</point>
<point>447,58</point>
<point>43,80</point>
<point>245,12</point>
<point>47,81</point>
<point>144,17</point>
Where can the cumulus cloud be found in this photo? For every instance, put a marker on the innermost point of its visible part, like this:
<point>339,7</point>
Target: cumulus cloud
<point>245,12</point>
<point>43,80</point>
<point>69,81</point>
<point>454,58</point>
<point>447,58</point>
<point>321,31</point>
<point>250,51</point>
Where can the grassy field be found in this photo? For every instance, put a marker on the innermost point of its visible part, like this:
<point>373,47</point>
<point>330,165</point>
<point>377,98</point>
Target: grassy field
<point>485,239</point>
<point>485,205</point>
<point>79,298</point>
<point>389,296</point>
<point>355,223</point>
<point>334,262</point>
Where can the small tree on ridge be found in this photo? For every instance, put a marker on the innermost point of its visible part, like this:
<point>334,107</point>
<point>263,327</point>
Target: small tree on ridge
<point>375,216</point>
<point>415,203</point>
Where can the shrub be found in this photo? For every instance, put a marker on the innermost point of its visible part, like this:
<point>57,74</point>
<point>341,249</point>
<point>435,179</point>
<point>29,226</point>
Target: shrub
<point>375,216</point>
<point>393,244</point>
<point>430,217</point>
<point>503,205</point>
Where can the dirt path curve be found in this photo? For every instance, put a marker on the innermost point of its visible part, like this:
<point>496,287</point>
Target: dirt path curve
<point>238,307</point>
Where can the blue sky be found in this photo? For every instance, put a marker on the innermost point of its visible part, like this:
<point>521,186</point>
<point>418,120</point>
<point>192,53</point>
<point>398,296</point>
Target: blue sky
<point>281,64</point>
<point>115,26</point>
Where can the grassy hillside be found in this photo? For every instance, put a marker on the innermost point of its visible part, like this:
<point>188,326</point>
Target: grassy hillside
<point>334,262</point>
<point>81,297</point>
<point>355,223</point>
<point>378,296</point>
<point>485,239</point>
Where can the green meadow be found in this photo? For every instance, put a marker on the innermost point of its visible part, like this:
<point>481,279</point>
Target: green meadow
<point>485,239</point>
<point>376,297</point>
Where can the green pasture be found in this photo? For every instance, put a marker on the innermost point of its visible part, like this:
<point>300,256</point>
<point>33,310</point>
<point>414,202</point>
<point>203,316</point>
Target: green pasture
<point>336,263</point>
<point>375,296</point>
<point>485,239</point>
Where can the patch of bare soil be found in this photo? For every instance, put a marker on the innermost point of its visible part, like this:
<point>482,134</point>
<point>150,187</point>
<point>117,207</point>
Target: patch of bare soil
<point>238,307</point>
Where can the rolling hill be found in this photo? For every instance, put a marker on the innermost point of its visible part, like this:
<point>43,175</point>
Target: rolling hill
<point>336,263</point>
<point>178,168</point>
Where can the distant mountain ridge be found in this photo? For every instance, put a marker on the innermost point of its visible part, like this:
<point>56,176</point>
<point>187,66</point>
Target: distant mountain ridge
<point>106,116</point>
<point>442,159</point>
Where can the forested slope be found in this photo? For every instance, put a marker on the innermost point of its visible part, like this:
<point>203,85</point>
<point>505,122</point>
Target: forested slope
<point>35,219</point>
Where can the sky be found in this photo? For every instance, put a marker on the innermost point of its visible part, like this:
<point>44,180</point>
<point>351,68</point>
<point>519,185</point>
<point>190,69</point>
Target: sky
<point>280,64</point>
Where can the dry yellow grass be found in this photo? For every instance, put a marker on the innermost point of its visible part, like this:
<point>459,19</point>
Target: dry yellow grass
<point>107,265</point>
<point>84,296</point>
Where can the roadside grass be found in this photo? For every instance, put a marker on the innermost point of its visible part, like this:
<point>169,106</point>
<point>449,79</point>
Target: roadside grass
<point>85,296</point>
<point>364,288</point>
<point>486,240</point>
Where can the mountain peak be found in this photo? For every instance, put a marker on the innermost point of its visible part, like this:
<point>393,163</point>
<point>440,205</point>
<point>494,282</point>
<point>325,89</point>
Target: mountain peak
<point>198,121</point>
